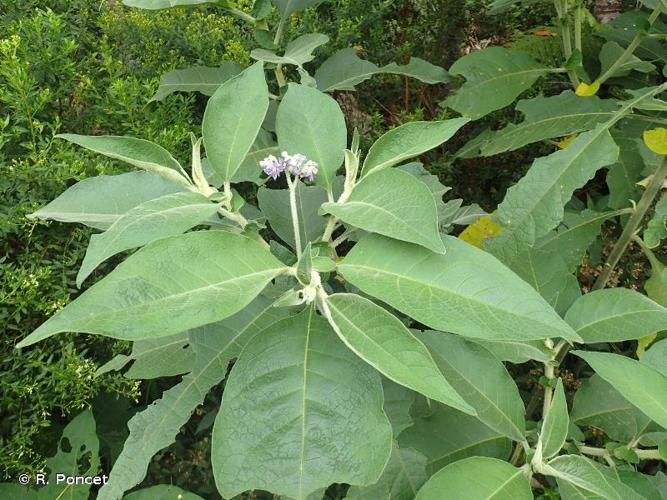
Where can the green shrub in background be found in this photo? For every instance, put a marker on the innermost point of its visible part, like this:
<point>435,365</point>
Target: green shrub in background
<point>68,65</point>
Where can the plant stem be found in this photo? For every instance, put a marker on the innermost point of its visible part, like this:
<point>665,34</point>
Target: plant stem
<point>280,76</point>
<point>241,15</point>
<point>629,50</point>
<point>292,184</point>
<point>604,453</point>
<point>577,27</point>
<point>631,227</point>
<point>562,10</point>
<point>548,390</point>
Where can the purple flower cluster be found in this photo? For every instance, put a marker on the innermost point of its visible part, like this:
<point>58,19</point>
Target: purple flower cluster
<point>297,165</point>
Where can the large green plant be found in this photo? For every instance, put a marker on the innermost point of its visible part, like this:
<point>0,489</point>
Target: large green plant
<point>366,344</point>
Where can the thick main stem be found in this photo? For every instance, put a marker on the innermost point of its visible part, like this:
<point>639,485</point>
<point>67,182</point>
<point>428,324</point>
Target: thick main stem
<point>631,227</point>
<point>627,53</point>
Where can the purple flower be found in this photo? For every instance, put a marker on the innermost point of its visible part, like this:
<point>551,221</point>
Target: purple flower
<point>297,165</point>
<point>272,166</point>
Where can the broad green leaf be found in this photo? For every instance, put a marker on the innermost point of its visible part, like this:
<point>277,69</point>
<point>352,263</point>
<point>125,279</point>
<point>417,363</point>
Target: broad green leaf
<point>274,203</point>
<point>300,412</point>
<point>81,436</point>
<point>398,401</point>
<point>623,175</point>
<point>232,119</point>
<point>250,171</point>
<point>577,231</point>
<point>394,204</point>
<point>402,477</point>
<point>534,206</point>
<point>162,492</point>
<point>288,7</point>
<point>599,405</point>
<point>163,357</point>
<point>482,381</point>
<point>656,229</point>
<point>137,152</point>
<point>495,77</point>
<point>298,52</point>
<point>515,351</point>
<point>407,141</point>
<point>344,70</point>
<point>612,52</point>
<point>311,123</point>
<point>167,287</point>
<point>418,68</point>
<point>466,291</point>
<point>196,79</point>
<point>156,427</point>
<point>643,386</point>
<point>381,340</point>
<point>168,215</point>
<point>614,315</point>
<point>556,423</point>
<point>99,201</point>
<point>163,4</point>
<point>481,478</point>
<point>548,273</point>
<point>447,435</point>
<point>656,356</point>
<point>584,474</point>
<point>546,118</point>
<point>656,285</point>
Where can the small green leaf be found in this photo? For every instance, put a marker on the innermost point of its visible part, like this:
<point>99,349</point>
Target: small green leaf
<point>99,201</point>
<point>417,68</point>
<point>556,423</point>
<point>232,120</point>
<point>197,277</point>
<point>168,215</point>
<point>515,351</point>
<point>612,52</point>
<point>311,123</point>
<point>344,70</point>
<point>656,229</point>
<point>495,77</point>
<point>395,204</point>
<point>643,386</point>
<point>465,291</point>
<point>478,478</point>
<point>407,141</point>
<point>137,152</point>
<point>319,407</point>
<point>196,79</point>
<point>298,52</point>
<point>381,340</point>
<point>614,315</point>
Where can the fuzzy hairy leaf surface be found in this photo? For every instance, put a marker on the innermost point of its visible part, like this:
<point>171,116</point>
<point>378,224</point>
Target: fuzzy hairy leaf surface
<point>556,423</point>
<point>233,117</point>
<point>643,386</point>
<point>446,435</point>
<point>548,118</point>
<point>167,287</point>
<point>156,427</point>
<point>380,339</point>
<point>534,206</point>
<point>495,77</point>
<point>202,79</point>
<point>615,315</point>
<point>407,141</point>
<point>168,215</point>
<point>466,291</point>
<point>311,123</point>
<point>480,478</point>
<point>395,204</point>
<point>300,412</point>
<point>482,381</point>
<point>99,201</point>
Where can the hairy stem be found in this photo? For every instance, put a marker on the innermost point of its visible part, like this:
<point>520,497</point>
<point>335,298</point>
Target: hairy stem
<point>633,224</point>
<point>293,183</point>
<point>627,53</point>
<point>562,10</point>
<point>548,390</point>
